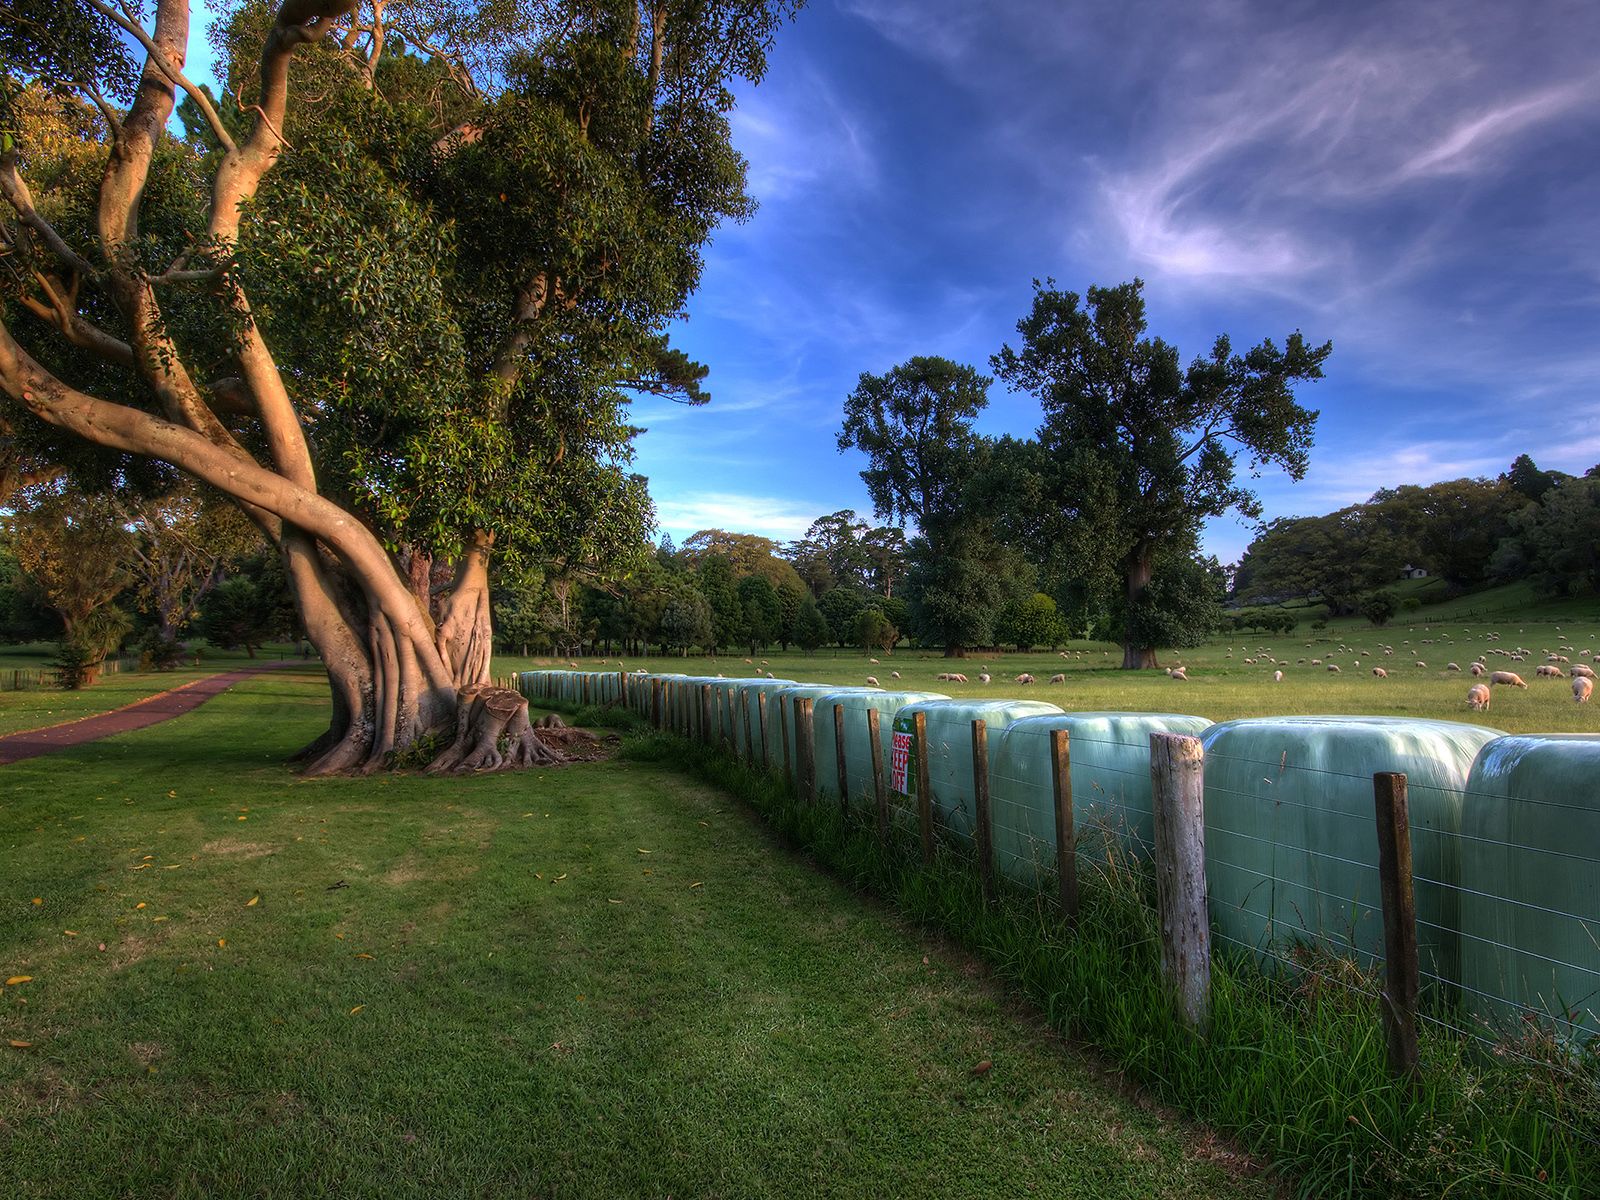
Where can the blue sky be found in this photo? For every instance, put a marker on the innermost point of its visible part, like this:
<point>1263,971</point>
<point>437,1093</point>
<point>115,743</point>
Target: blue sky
<point>1416,181</point>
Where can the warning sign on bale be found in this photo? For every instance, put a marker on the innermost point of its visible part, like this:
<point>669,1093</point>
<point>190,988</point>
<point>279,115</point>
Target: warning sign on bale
<point>900,761</point>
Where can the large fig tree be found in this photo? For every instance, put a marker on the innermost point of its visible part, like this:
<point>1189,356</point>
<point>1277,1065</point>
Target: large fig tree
<point>390,297</point>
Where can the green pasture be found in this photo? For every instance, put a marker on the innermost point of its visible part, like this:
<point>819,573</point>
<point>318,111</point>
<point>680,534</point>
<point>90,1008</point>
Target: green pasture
<point>605,980</point>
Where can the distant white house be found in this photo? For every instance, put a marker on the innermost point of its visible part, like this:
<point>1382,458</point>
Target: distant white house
<point>1413,572</point>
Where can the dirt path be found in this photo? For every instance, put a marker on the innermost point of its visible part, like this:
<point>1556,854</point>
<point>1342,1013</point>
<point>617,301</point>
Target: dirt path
<point>152,710</point>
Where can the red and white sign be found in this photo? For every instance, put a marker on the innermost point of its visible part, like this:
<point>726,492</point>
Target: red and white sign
<point>900,761</point>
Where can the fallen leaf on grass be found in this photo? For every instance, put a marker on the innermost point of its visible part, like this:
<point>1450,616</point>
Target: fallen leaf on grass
<point>613,901</point>
<point>252,902</point>
<point>243,818</point>
<point>140,867</point>
<point>357,1009</point>
<point>16,979</point>
<point>70,932</point>
<point>983,1068</point>
<point>365,956</point>
<point>153,920</point>
<point>692,886</point>
<point>139,905</point>
<point>222,942</point>
<point>642,850</point>
<point>38,899</point>
<point>20,1045</point>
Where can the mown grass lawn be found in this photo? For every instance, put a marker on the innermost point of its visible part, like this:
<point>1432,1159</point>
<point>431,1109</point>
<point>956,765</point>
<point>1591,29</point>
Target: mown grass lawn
<point>598,981</point>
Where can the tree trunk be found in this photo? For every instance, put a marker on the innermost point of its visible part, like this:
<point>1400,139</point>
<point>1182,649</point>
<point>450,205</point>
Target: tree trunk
<point>466,634</point>
<point>1140,569</point>
<point>955,651</point>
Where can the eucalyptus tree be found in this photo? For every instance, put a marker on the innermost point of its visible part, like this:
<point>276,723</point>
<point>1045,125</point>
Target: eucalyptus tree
<point>391,300</point>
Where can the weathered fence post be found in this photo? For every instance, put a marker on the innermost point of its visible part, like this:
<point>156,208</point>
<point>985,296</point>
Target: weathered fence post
<point>919,723</point>
<point>1402,971</point>
<point>806,746</point>
<point>706,734</point>
<point>838,751</point>
<point>984,831</point>
<point>1177,782</point>
<point>761,716</point>
<point>785,718</point>
<point>655,702</point>
<point>749,743</point>
<point>1066,837</point>
<point>880,797</point>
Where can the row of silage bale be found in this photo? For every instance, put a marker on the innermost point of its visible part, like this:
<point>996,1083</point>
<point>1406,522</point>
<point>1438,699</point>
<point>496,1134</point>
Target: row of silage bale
<point>1505,831</point>
<point>853,705</point>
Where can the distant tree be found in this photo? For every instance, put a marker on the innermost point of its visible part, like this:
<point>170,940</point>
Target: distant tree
<point>1336,559</point>
<point>763,613</point>
<point>746,553</point>
<point>1556,544</point>
<point>717,584</point>
<point>1029,622</point>
<point>1379,607</point>
<point>1182,606</point>
<point>885,550</point>
<point>1451,528</point>
<point>914,424</point>
<point>873,631</point>
<point>1140,450</point>
<point>75,552</point>
<point>238,613</point>
<point>840,608</point>
<point>810,626</point>
<point>957,596</point>
<point>790,598</point>
<point>686,621</point>
<point>1526,479</point>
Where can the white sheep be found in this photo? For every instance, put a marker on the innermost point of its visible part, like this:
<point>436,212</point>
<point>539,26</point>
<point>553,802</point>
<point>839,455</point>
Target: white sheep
<point>1452,667</point>
<point>1380,673</point>
<point>872,681</point>
<point>984,678</point>
<point>1177,673</point>
<point>1583,669</point>
<point>1477,668</point>
<point>1478,697</point>
<point>894,674</point>
<point>1277,677</point>
<point>1026,678</point>
<point>1334,668</point>
<point>1508,678</point>
<point>1582,687</point>
<point>1058,679</point>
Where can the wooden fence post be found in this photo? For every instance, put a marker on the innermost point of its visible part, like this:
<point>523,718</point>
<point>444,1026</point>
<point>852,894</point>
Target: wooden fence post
<point>749,742</point>
<point>1402,971</point>
<point>707,732</point>
<point>984,816</point>
<point>1066,838</point>
<point>880,797</point>
<point>838,750</point>
<point>761,715</point>
<point>785,713</point>
<point>655,702</point>
<point>806,746</point>
<point>1177,782</point>
<point>919,723</point>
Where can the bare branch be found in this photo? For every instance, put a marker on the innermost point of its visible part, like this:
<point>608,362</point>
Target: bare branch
<point>17,195</point>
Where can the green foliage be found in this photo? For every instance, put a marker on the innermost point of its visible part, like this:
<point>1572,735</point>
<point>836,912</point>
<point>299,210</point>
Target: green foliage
<point>957,594</point>
<point>687,621</point>
<point>810,626</point>
<point>874,632</point>
<point>763,613</point>
<point>1379,607</point>
<point>239,613</point>
<point>1138,450</point>
<point>1029,622</point>
<point>1555,544</point>
<point>840,608</point>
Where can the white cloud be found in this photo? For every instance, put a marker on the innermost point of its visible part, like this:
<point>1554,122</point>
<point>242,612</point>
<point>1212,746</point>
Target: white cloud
<point>770,516</point>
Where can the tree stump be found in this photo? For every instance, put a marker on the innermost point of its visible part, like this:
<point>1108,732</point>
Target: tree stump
<point>493,733</point>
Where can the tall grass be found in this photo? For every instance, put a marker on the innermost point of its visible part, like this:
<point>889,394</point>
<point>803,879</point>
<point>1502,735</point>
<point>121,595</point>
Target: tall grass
<point>1296,1073</point>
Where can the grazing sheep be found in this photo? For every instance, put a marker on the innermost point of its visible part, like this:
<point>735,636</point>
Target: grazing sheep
<point>1316,662</point>
<point>1451,667</point>
<point>1582,687</point>
<point>1058,679</point>
<point>1420,664</point>
<point>1581,669</point>
<point>872,681</point>
<point>1026,678</point>
<point>1177,673</point>
<point>1477,668</point>
<point>873,661</point>
<point>1277,677</point>
<point>748,663</point>
<point>984,678</point>
<point>1380,673</point>
<point>1546,671</point>
<point>894,674</point>
<point>1334,667</point>
<point>1478,697</point>
<point>959,678</point>
<point>1507,677</point>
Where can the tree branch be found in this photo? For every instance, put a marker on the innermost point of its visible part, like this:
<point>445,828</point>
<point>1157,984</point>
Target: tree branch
<point>17,195</point>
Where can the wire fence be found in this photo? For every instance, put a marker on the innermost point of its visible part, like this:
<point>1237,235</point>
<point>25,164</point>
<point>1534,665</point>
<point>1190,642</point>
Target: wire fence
<point>1503,834</point>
